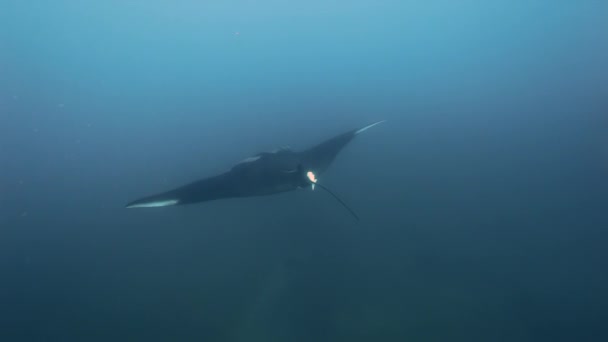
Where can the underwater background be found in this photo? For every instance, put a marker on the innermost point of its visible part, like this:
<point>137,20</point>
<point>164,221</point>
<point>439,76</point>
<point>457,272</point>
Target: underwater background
<point>483,199</point>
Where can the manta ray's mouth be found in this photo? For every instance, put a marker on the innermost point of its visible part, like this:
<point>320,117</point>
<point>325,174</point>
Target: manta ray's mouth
<point>311,176</point>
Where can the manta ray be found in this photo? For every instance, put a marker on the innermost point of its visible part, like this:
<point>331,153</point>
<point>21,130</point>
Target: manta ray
<point>265,173</point>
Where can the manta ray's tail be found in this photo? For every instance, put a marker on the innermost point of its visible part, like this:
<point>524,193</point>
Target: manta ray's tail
<point>339,200</point>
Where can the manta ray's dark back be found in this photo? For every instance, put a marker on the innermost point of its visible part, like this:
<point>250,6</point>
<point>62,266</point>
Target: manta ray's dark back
<point>263,174</point>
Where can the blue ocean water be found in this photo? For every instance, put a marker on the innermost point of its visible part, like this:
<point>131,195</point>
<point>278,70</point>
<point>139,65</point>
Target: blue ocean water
<point>482,199</point>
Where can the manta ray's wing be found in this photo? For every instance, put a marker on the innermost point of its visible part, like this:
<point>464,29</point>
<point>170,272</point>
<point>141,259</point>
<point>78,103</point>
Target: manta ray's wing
<point>208,189</point>
<point>263,174</point>
<point>320,157</point>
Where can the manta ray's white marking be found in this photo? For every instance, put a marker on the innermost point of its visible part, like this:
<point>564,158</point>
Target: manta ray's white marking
<point>249,159</point>
<point>368,127</point>
<point>156,204</point>
<point>283,148</point>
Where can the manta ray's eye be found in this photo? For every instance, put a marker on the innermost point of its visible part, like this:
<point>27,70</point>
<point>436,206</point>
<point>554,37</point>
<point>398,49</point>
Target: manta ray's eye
<point>311,176</point>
